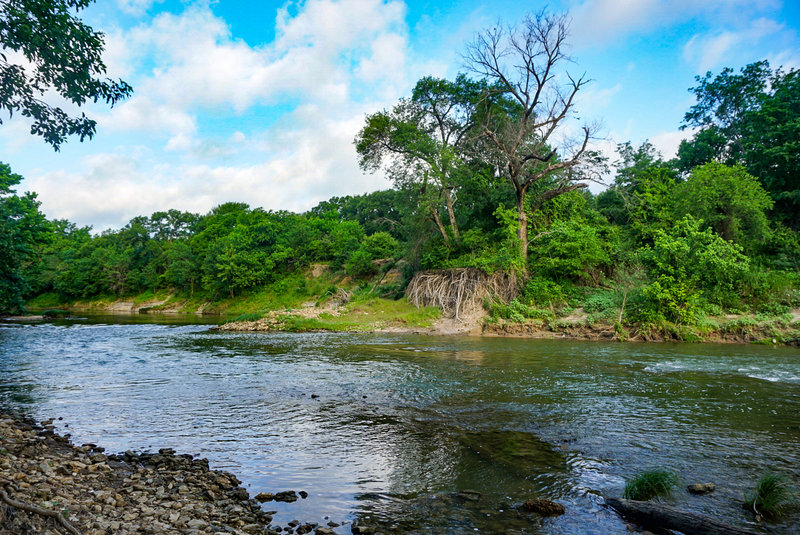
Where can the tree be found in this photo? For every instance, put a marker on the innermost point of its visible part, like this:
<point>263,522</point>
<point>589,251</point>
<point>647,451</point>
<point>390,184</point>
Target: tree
<point>523,63</point>
<point>751,119</point>
<point>22,227</point>
<point>420,142</point>
<point>729,200</point>
<point>57,53</point>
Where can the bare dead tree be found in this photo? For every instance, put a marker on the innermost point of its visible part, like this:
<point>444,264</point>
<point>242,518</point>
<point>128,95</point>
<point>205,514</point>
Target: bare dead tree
<point>524,64</point>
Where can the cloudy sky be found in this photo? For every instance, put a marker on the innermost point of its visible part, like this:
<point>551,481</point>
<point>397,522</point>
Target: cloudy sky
<point>259,101</point>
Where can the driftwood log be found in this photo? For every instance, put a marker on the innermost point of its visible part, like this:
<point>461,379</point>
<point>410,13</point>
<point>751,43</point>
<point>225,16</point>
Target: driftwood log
<point>48,513</point>
<point>657,515</point>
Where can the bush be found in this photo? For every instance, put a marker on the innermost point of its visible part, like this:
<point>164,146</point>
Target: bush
<point>543,292</point>
<point>772,496</point>
<point>360,264</point>
<point>245,317</point>
<point>600,302</point>
<point>571,250</point>
<point>650,484</point>
<point>380,245</point>
<point>518,312</point>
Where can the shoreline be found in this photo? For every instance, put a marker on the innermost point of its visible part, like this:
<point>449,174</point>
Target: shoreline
<point>537,330</point>
<point>50,485</point>
<point>731,329</point>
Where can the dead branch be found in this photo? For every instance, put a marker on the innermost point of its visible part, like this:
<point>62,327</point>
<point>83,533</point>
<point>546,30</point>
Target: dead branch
<point>39,511</point>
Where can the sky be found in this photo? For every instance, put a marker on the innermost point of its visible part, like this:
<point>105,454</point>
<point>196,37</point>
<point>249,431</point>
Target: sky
<point>259,102</point>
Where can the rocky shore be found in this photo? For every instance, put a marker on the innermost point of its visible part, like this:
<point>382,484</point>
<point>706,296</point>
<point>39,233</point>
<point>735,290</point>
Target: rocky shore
<point>49,486</point>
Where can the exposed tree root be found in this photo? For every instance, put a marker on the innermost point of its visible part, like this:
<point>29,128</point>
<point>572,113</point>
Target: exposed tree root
<point>457,290</point>
<point>38,511</point>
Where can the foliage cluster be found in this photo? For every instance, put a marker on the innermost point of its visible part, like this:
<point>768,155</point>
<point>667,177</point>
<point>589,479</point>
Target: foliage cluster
<point>651,484</point>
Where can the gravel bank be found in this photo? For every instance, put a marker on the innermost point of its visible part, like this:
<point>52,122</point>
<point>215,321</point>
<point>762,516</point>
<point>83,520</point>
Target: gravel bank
<point>43,476</point>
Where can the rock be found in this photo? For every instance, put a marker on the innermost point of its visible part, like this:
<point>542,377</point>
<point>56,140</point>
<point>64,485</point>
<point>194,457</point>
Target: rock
<point>543,507</point>
<point>303,494</point>
<point>286,496</point>
<point>701,488</point>
<point>471,495</point>
<point>325,531</point>
<point>262,497</point>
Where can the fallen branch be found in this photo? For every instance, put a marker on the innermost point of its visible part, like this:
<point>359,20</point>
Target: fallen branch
<point>39,511</point>
<point>665,516</point>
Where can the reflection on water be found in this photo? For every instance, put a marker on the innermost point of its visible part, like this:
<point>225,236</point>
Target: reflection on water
<point>390,429</point>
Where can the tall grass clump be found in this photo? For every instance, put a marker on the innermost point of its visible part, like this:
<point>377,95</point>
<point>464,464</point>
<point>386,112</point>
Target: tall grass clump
<point>772,496</point>
<point>649,484</point>
<point>249,316</point>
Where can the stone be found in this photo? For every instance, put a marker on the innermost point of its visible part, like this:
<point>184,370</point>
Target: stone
<point>262,497</point>
<point>196,523</point>
<point>544,507</point>
<point>286,496</point>
<point>471,495</point>
<point>701,488</point>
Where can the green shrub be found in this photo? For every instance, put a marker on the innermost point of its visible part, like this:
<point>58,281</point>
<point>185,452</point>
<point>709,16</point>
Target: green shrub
<point>665,299</point>
<point>772,496</point>
<point>518,312</point>
<point>380,245</point>
<point>245,317</point>
<point>571,250</point>
<point>360,264</point>
<point>543,292</point>
<point>694,261</point>
<point>650,484</point>
<point>600,302</point>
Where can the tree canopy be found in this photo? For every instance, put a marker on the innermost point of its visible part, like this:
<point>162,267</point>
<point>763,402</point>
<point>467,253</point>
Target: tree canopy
<point>45,47</point>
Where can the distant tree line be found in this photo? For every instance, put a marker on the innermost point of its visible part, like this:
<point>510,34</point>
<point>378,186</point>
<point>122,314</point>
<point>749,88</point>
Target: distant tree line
<point>483,178</point>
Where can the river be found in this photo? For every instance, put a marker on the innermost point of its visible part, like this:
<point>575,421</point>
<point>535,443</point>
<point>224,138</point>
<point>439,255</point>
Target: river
<point>387,429</point>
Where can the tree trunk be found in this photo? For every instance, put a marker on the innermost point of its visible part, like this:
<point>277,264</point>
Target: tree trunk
<point>451,213</point>
<point>657,515</point>
<point>522,231</point>
<point>440,226</point>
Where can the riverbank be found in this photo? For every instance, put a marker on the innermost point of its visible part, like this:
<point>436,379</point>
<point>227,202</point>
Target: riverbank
<point>48,485</point>
<point>734,329</point>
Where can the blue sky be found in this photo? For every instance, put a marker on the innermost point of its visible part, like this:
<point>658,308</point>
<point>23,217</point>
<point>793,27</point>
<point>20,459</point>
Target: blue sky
<point>259,101</point>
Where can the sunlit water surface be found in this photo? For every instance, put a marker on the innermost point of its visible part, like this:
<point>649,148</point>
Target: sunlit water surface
<point>398,424</point>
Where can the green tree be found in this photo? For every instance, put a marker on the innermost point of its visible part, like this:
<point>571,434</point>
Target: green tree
<point>421,143</point>
<point>729,200</point>
<point>750,118</point>
<point>63,56</point>
<point>22,228</point>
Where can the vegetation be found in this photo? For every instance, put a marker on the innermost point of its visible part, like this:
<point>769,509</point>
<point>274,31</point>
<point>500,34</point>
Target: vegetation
<point>707,242</point>
<point>772,496</point>
<point>57,54</point>
<point>650,484</point>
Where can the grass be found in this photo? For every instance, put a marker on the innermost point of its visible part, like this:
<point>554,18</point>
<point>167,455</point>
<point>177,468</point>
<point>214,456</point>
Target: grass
<point>650,484</point>
<point>364,315</point>
<point>772,496</point>
<point>249,316</point>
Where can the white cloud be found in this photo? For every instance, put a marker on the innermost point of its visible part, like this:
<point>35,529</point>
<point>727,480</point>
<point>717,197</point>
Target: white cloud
<point>331,62</point>
<point>667,143</point>
<point>603,21</point>
<point>710,51</point>
<point>136,8</point>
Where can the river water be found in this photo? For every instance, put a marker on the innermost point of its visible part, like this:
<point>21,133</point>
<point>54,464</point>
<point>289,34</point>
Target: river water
<point>386,430</point>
